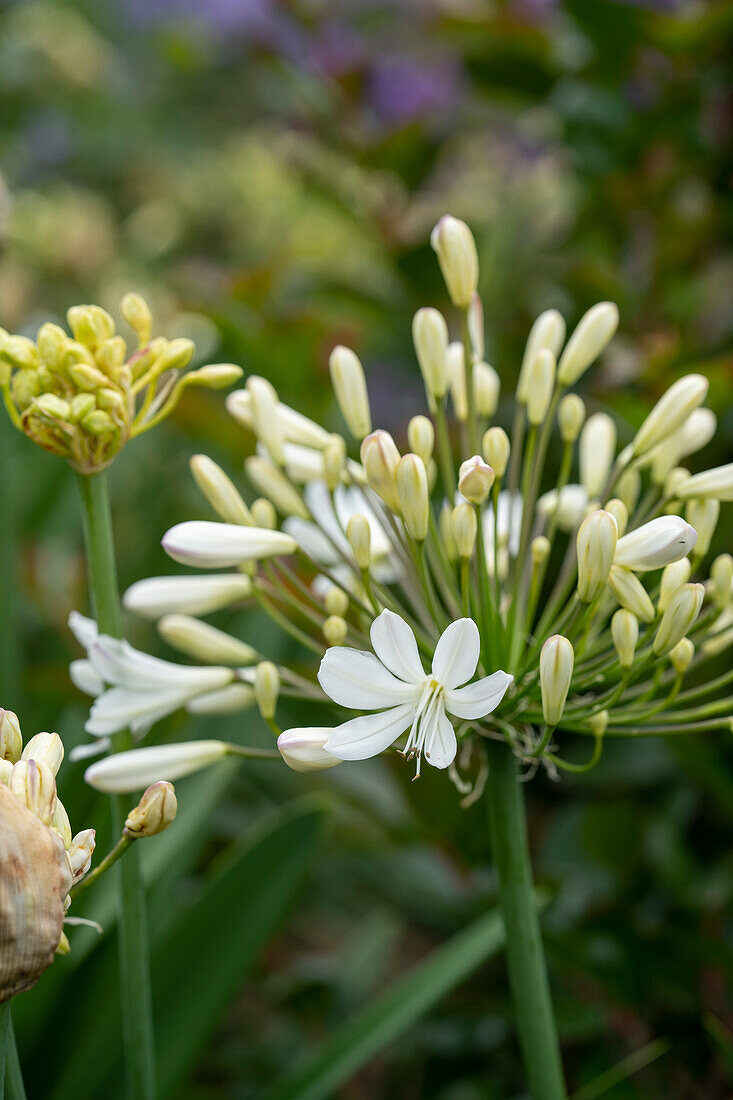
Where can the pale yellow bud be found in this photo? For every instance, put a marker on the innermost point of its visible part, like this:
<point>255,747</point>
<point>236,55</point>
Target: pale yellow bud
<point>475,479</point>
<point>273,484</point>
<point>204,642</point>
<point>60,823</point>
<point>673,577</point>
<point>175,355</point>
<point>617,508</point>
<point>87,377</point>
<point>53,345</point>
<point>136,312</point>
<point>97,422</point>
<point>496,448</point>
<point>675,479</point>
<point>421,437</point>
<point>349,385</point>
<point>547,332</point>
<point>335,629</point>
<point>155,811</point>
<point>672,409</point>
<point>596,451</point>
<point>594,332</point>
<point>570,417</point>
<point>540,383</point>
<point>267,688</point>
<point>598,723</point>
<point>53,406</point>
<point>556,672</point>
<point>220,491</point>
<point>111,354</point>
<point>334,458</point>
<point>46,748</point>
<point>596,545</point>
<point>453,241</point>
<point>486,389</point>
<point>540,549</point>
<point>80,853</point>
<point>265,412</point>
<point>464,528</point>
<point>91,325</point>
<point>110,399</point>
<point>264,514</point>
<point>703,516</point>
<point>81,405</point>
<point>20,352</point>
<point>430,337</point>
<point>625,634</point>
<point>336,601</point>
<point>681,612</point>
<point>33,783</point>
<point>446,531</point>
<point>721,574</point>
<point>628,489</point>
<point>359,534</point>
<point>681,656</point>
<point>380,457</point>
<point>716,483</point>
<point>11,739</point>
<point>214,376</point>
<point>626,587</point>
<point>412,489</point>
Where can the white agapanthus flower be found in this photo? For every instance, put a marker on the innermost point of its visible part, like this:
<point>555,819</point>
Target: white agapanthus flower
<point>393,682</point>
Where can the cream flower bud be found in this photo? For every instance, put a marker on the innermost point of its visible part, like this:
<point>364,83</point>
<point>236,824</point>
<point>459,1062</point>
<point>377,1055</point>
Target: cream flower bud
<point>430,337</point>
<point>556,672</point>
<point>334,459</point>
<point>412,490</point>
<point>32,781</point>
<point>219,490</point>
<point>219,545</point>
<point>193,595</point>
<point>267,688</point>
<point>11,740</point>
<point>359,534</point>
<point>81,851</point>
<point>570,417</point>
<point>674,480</point>
<point>596,545</point>
<point>302,749</point>
<point>6,770</point>
<point>671,411</point>
<point>547,332</point>
<point>598,723</point>
<point>457,378</point>
<point>453,241</point>
<point>486,389</point>
<point>540,382</point>
<point>496,449</point>
<point>625,635</point>
<point>335,629</point>
<point>716,483</point>
<point>155,811</point>
<point>656,544</point>
<point>60,823</point>
<point>703,516</point>
<point>681,612</point>
<point>626,587</point>
<point>421,437</point>
<point>721,574</point>
<point>349,385</point>
<point>267,422</point>
<point>204,642</point>
<point>136,312</point>
<point>226,700</point>
<point>336,601</point>
<point>594,332</point>
<point>475,324</point>
<point>596,450</point>
<point>540,549</point>
<point>264,514</point>
<point>628,489</point>
<point>464,528</point>
<point>272,483</point>
<point>617,508</point>
<point>138,768</point>
<point>694,434</point>
<point>47,748</point>
<point>681,656</point>
<point>673,577</point>
<point>380,457</point>
<point>446,531</point>
<point>475,479</point>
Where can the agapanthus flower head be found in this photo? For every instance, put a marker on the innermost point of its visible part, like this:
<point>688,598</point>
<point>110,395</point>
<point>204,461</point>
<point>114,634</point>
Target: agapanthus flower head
<point>519,573</point>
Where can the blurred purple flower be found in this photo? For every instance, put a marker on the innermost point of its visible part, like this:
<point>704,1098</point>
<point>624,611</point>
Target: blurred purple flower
<point>338,50</point>
<point>403,90</point>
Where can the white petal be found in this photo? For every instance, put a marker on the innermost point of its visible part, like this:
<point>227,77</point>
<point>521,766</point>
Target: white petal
<point>479,699</point>
<point>130,771</point>
<point>318,501</point>
<point>90,748</point>
<point>118,663</point>
<point>85,677</point>
<point>395,645</point>
<point>440,742</point>
<point>311,539</point>
<point>359,681</point>
<point>83,629</point>
<point>211,545</point>
<point>195,595</point>
<point>369,735</point>
<point>457,653</point>
<point>119,708</point>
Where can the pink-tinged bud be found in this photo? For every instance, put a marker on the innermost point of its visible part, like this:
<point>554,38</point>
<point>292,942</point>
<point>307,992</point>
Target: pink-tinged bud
<point>302,749</point>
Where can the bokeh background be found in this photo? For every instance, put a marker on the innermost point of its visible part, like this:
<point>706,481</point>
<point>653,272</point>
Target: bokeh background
<point>267,174</point>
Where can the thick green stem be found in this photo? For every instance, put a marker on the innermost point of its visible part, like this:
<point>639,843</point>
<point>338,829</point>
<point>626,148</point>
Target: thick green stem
<point>524,953</point>
<point>135,991</point>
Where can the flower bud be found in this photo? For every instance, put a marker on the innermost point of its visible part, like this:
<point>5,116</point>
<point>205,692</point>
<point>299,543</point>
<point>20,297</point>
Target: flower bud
<point>380,457</point>
<point>673,577</point>
<point>336,601</point>
<point>214,376</point>
<point>671,411</point>
<point>475,325</point>
<point>60,823</point>
<point>421,437</point>
<point>267,688</point>
<point>91,325</point>
<point>626,587</point>
<point>655,544</point>
<point>155,811</point>
<point>716,483</point>
<point>130,771</point>
<point>681,612</point>
<point>46,748</point>
<point>540,549</point>
<point>334,459</point>
<point>464,528</point>
<point>80,853</point>
<point>192,595</point>
<point>596,450</point>
<point>496,448</point>
<point>273,484</point>
<point>547,332</point>
<point>264,514</point>
<point>721,574</point>
<point>302,749</point>
<point>486,389</point>
<point>625,634</point>
<point>598,723</point>
<point>540,383</point>
<point>617,508</point>
<point>556,672</point>
<point>703,516</point>
<point>226,700</point>
<point>97,422</point>
<point>349,385</point>
<point>335,629</point>
<point>204,642</point>
<point>569,506</point>
<point>628,489</point>
<point>359,534</point>
<point>596,545</point>
<point>594,332</point>
<point>219,490</point>
<point>430,337</point>
<point>446,531</point>
<point>694,434</point>
<point>453,241</point>
<point>267,423</point>
<point>33,783</point>
<point>456,357</point>
<point>11,740</point>
<point>570,417</point>
<point>53,406</point>
<point>412,490</point>
<point>681,656</point>
<point>475,479</point>
<point>53,345</point>
<point>221,545</point>
<point>136,312</point>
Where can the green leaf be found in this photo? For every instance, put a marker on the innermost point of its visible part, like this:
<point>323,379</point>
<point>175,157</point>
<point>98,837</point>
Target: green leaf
<point>385,1017</point>
<point>624,1069</point>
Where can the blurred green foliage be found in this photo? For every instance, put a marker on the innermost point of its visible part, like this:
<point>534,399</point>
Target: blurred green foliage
<point>267,175</point>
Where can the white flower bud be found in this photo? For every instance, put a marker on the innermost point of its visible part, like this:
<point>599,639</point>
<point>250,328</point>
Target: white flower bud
<point>335,629</point>
<point>194,595</point>
<point>570,503</point>
<point>11,740</point>
<point>446,531</point>
<point>464,528</point>
<point>596,450</point>
<point>456,357</point>
<point>226,700</point>
<point>570,417</point>
<point>673,577</point>
<point>694,434</point>
<point>628,489</point>
<point>716,483</point>
<point>430,337</point>
<point>721,574</point>
<point>380,457</point>
<point>496,449</point>
<point>81,851</point>
<point>138,768</point>
<point>475,479</point>
<point>540,549</point>
<point>703,516</point>
<point>453,241</point>
<point>671,411</point>
<point>625,634</point>
<point>540,383</point>
<point>359,534</point>
<point>266,419</point>
<point>219,490</point>
<point>302,749</point>
<point>674,480</point>
<point>598,723</point>
<point>547,332</point>
<point>681,612</point>
<point>681,656</point>
<point>46,748</point>
<point>421,437</point>
<point>656,544</point>
<point>596,545</point>
<point>349,385</point>
<point>593,333</point>
<point>155,811</point>
<point>60,823</point>
<point>334,459</point>
<point>336,601</point>
<point>264,514</point>
<point>626,587</point>
<point>486,389</point>
<point>221,545</point>
<point>32,781</point>
<point>273,484</point>
<point>617,508</point>
<point>412,490</point>
<point>556,672</point>
<point>204,642</point>
<point>267,688</point>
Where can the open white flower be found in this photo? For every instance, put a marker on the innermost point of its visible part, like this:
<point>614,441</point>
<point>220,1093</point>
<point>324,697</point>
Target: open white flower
<point>395,684</point>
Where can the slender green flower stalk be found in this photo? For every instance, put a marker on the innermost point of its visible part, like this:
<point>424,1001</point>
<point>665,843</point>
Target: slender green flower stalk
<point>468,593</point>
